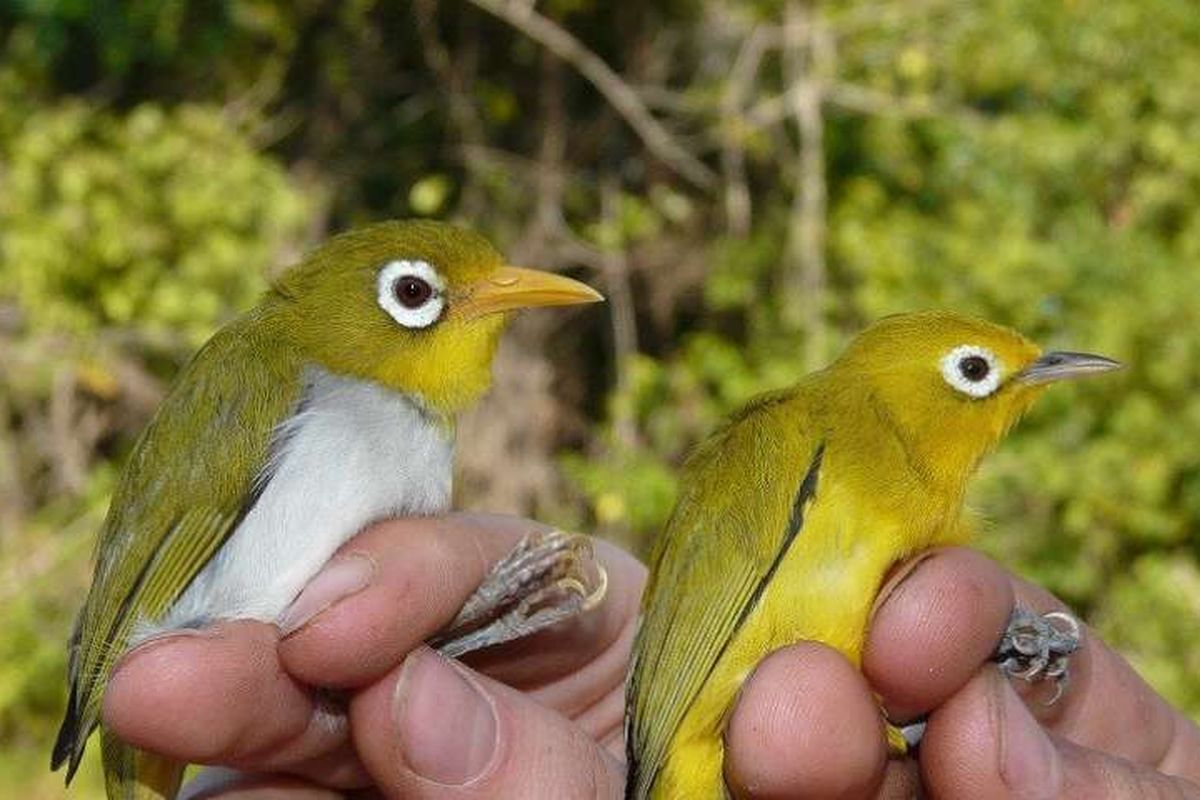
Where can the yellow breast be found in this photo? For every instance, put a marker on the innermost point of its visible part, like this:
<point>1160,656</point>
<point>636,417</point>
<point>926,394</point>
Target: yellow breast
<point>823,590</point>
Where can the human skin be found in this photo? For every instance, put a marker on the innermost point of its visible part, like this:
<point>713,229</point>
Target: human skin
<point>542,717</point>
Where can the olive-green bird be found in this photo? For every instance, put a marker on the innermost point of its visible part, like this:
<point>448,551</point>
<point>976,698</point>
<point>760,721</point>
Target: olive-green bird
<point>329,405</point>
<point>790,515</point>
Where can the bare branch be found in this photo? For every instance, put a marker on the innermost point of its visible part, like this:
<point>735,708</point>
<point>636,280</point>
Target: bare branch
<point>624,319</point>
<point>623,98</point>
<point>860,99</point>
<point>733,153</point>
<point>65,450</point>
<point>455,71</point>
<point>871,101</point>
<point>809,63</point>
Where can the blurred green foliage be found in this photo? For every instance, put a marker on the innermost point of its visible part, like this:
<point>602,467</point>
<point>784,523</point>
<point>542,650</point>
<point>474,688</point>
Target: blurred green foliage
<point>155,220</point>
<point>1031,162</point>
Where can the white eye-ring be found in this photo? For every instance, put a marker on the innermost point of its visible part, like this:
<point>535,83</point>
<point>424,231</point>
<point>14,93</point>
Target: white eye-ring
<point>972,370</point>
<point>412,292</point>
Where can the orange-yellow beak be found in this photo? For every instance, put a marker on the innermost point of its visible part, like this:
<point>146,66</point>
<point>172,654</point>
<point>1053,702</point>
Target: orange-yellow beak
<point>512,288</point>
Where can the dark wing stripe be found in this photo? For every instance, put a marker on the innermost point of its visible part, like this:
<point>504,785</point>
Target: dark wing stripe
<point>805,494</point>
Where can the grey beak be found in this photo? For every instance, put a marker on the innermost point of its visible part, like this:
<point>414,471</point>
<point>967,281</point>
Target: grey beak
<point>1059,366</point>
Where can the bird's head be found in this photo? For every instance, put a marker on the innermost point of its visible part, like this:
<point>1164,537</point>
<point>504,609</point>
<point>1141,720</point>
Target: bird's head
<point>951,386</point>
<point>417,306</point>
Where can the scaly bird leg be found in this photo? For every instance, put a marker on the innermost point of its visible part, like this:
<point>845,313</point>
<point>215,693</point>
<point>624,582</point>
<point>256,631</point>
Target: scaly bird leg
<point>1033,648</point>
<point>547,578</point>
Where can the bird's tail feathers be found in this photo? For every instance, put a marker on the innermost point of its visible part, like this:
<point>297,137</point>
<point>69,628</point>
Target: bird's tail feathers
<point>132,774</point>
<point>72,736</point>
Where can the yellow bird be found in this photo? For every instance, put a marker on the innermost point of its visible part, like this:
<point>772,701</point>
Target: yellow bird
<point>790,515</point>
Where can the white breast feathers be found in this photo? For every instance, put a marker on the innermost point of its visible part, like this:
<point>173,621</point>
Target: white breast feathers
<point>355,453</point>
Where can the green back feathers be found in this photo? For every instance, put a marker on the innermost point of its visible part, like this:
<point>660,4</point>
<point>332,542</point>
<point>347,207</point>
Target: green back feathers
<point>188,483</point>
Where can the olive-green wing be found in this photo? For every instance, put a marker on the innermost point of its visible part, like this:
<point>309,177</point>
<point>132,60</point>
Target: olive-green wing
<point>742,502</point>
<point>193,475</point>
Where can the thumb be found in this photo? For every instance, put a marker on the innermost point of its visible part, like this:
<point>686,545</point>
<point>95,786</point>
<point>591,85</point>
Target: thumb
<point>432,728</point>
<point>984,743</point>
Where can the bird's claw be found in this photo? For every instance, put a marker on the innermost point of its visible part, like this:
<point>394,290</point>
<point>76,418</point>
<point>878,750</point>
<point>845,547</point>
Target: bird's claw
<point>547,578</point>
<point>1034,648</point>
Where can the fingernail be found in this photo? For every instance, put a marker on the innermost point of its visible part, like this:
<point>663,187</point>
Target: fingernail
<point>1029,763</point>
<point>162,639</point>
<point>446,724</point>
<point>340,578</point>
<point>895,582</point>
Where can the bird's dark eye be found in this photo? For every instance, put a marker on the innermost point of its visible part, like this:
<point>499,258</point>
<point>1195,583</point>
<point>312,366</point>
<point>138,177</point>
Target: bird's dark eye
<point>974,368</point>
<point>411,291</point>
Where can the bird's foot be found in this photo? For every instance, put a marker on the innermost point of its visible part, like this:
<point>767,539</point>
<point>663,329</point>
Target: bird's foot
<point>547,578</point>
<point>1038,647</point>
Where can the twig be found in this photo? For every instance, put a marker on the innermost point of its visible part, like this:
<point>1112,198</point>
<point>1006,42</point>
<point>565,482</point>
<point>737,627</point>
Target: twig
<point>733,153</point>
<point>455,74</point>
<point>623,98</point>
<point>860,99</point>
<point>67,454</point>
<point>809,63</point>
<point>623,315</point>
<point>871,101</point>
<point>550,179</point>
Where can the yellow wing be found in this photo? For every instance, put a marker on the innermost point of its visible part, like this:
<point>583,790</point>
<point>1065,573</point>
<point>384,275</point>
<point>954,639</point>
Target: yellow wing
<point>711,565</point>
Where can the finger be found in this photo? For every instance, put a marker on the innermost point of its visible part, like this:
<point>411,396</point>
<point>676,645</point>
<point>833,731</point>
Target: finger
<point>432,728</point>
<point>398,583</point>
<point>385,591</point>
<point>942,620</point>
<point>1105,700</point>
<point>805,725</point>
<point>220,696</point>
<point>984,743</point>
<point>935,624</point>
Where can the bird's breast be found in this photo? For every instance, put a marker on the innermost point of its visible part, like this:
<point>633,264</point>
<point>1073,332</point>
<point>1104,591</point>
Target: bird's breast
<point>354,453</point>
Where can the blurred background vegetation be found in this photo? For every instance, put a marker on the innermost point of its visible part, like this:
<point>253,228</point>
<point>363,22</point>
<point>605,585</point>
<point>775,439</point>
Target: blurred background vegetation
<point>749,183</point>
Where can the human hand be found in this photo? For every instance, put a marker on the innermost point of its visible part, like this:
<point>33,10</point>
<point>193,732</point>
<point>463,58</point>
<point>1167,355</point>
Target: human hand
<point>540,717</point>
<point>807,722</point>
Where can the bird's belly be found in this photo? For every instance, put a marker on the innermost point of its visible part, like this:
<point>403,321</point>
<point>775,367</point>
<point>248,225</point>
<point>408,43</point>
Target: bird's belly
<point>355,454</point>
